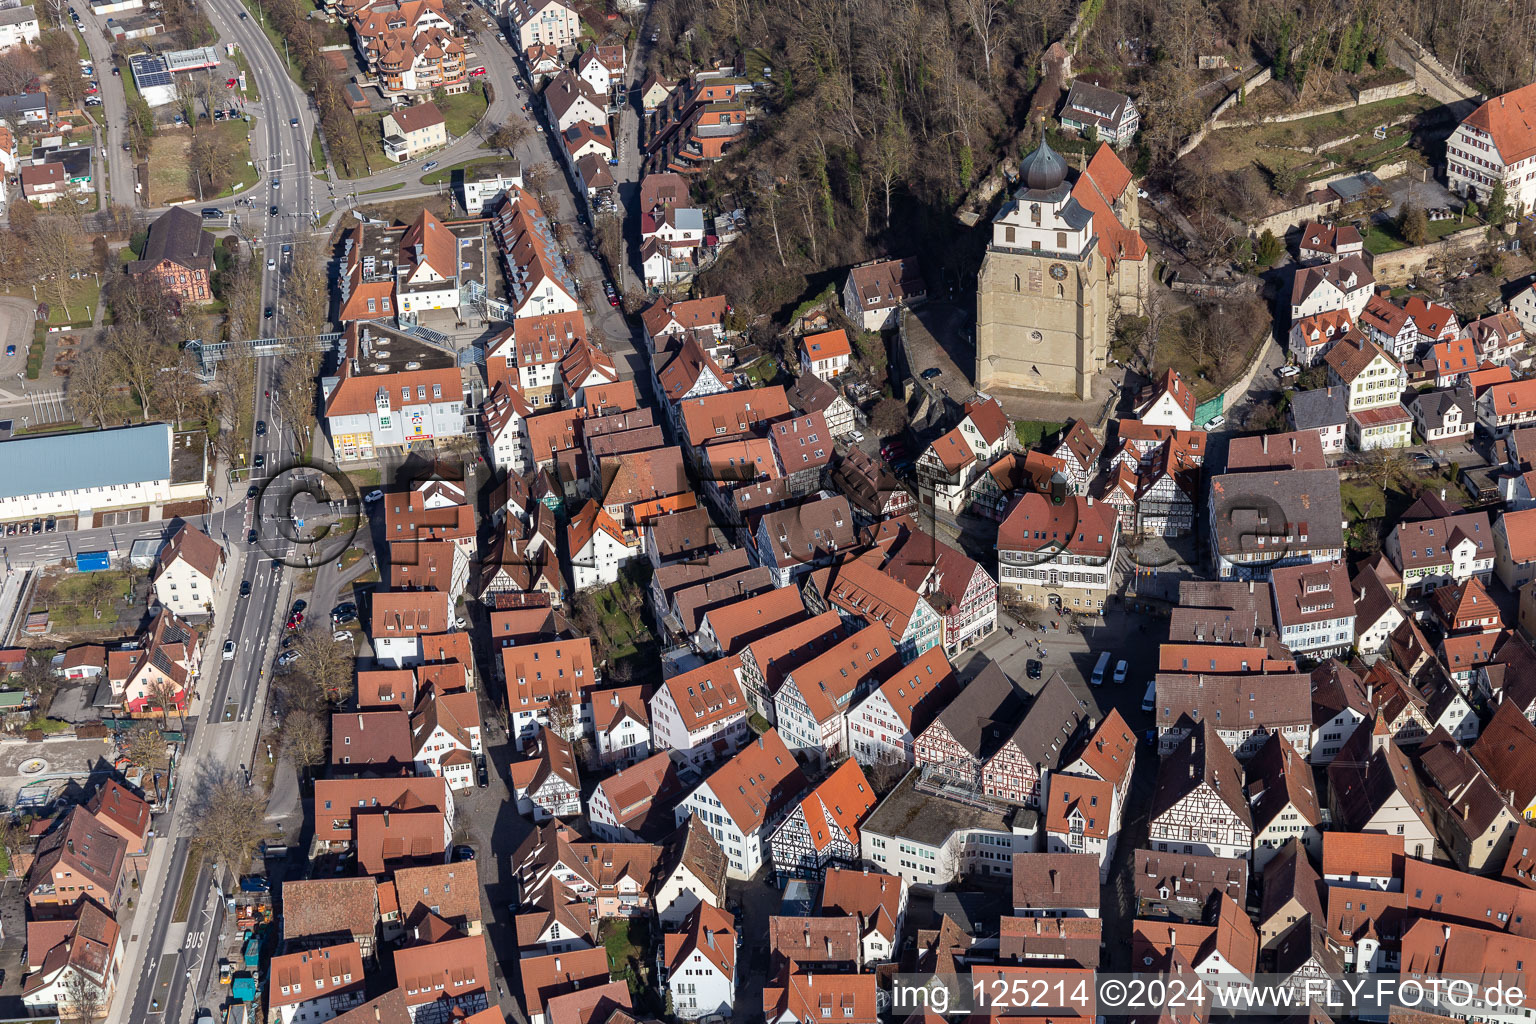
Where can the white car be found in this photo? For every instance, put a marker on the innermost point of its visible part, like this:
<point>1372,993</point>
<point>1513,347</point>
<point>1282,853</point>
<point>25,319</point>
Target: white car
<point>271,264</point>
<point>1149,700</point>
<point>374,495</point>
<point>1287,372</point>
<point>1119,672</point>
<point>1216,423</point>
<point>342,636</point>
<point>229,650</point>
<point>1141,193</point>
<point>858,437</point>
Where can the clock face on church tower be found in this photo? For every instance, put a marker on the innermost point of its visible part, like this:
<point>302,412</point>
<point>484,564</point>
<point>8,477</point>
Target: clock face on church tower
<point>1058,271</point>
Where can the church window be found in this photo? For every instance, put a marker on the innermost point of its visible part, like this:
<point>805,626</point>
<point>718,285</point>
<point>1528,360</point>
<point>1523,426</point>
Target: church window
<point>1034,214</point>
<point>1060,291</point>
<point>1015,279</point>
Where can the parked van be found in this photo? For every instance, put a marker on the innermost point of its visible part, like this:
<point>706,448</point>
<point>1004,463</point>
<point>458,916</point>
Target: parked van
<point>1120,672</point>
<point>1099,670</point>
<point>1149,702</point>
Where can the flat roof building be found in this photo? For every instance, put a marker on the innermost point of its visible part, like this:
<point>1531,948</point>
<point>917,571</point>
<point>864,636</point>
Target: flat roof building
<point>132,469</point>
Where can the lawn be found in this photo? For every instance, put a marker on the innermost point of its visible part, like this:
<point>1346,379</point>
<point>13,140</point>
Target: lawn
<point>622,629</point>
<point>238,135</point>
<point>387,188</point>
<point>316,152</point>
<point>168,177</point>
<point>250,92</point>
<point>370,132</point>
<point>1265,144</point>
<point>1032,432</point>
<point>627,941</point>
<point>1384,238</point>
<point>1363,499</point>
<point>82,294</point>
<point>444,175</point>
<point>168,168</point>
<point>69,602</point>
<point>463,112</point>
<point>364,479</point>
<point>187,889</point>
<point>762,371</point>
<point>281,46</point>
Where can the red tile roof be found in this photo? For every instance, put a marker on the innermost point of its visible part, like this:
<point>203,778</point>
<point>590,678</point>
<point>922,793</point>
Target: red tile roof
<point>448,969</point>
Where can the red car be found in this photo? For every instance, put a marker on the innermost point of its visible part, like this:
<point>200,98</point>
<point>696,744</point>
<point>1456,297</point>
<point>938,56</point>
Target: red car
<point>92,91</point>
<point>296,620</point>
<point>231,83</point>
<point>477,71</point>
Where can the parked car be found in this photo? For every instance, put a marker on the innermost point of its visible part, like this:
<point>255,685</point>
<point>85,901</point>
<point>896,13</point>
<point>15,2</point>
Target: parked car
<point>930,373</point>
<point>300,605</point>
<point>857,436</point>
<point>1120,672</point>
<point>1216,424</point>
<point>287,658</point>
<point>374,495</point>
<point>10,350</point>
<point>342,636</point>
<point>1287,372</point>
<point>1032,668</point>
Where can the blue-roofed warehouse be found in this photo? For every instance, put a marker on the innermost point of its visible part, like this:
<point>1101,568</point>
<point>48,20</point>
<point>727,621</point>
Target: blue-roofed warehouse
<point>133,469</point>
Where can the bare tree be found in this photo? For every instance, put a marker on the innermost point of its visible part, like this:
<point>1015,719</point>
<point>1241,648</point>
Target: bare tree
<point>327,665</point>
<point>987,22</point>
<point>186,100</point>
<point>82,997</point>
<point>139,357</point>
<point>893,154</point>
<point>1382,465</point>
<point>304,738</point>
<point>99,590</point>
<point>296,385</point>
<point>229,820</point>
<point>307,289</point>
<point>164,694</point>
<point>59,244</point>
<point>38,679</point>
<point>145,746</point>
<point>508,136</point>
<point>179,389</point>
<point>92,385</point>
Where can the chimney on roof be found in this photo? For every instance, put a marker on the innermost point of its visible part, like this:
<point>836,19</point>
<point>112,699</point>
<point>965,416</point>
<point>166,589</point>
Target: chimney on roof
<point>71,844</point>
<point>1264,444</point>
<point>557,963</point>
<point>1055,881</point>
<point>359,719</point>
<point>386,817</point>
<point>1294,446</point>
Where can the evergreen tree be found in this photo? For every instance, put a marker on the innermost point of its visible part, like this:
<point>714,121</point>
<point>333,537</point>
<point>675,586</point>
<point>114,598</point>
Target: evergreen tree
<point>1270,249</point>
<point>1412,225</point>
<point>1498,205</point>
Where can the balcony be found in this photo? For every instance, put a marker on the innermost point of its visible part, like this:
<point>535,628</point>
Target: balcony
<point>396,148</point>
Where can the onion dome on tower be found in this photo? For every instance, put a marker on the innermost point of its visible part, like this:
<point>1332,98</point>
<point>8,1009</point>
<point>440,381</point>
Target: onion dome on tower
<point>1043,169</point>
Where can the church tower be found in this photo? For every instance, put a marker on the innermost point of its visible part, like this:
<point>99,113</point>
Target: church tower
<point>1048,285</point>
